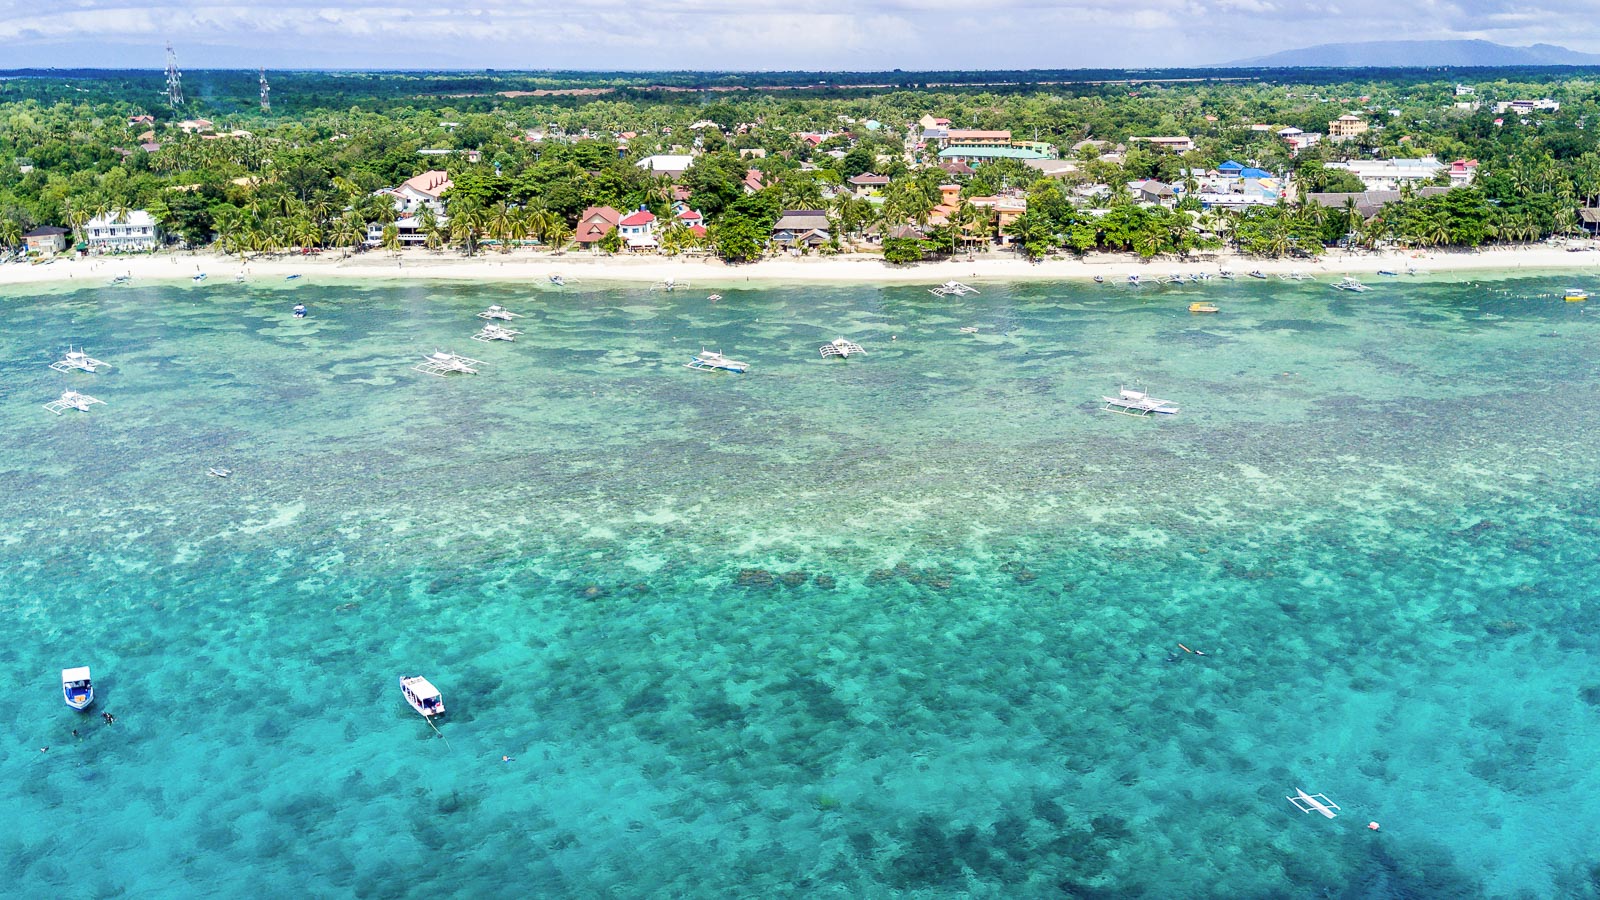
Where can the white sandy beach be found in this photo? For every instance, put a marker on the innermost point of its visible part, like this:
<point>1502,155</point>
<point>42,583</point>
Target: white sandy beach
<point>711,274</point>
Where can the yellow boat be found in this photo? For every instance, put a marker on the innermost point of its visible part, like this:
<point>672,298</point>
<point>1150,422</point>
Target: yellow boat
<point>1576,296</point>
<point>1202,307</point>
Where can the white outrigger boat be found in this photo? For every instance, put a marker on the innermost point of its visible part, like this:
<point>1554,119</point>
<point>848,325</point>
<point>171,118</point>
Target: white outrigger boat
<point>198,277</point>
<point>493,332</point>
<point>443,362</point>
<point>1137,403</point>
<point>557,280</point>
<point>71,400</point>
<point>841,348</point>
<point>1317,803</point>
<point>1350,284</point>
<point>76,359</point>
<point>1134,279</point>
<point>713,361</point>
<point>299,310</point>
<point>953,289</point>
<point>1293,276</point>
<point>77,688</point>
<point>423,696</point>
<point>499,312</point>
<point>121,279</point>
<point>669,285</point>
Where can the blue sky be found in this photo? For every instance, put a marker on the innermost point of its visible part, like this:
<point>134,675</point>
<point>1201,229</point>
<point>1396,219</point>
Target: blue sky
<point>746,34</point>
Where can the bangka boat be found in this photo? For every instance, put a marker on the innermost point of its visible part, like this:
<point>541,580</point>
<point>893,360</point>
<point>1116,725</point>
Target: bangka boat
<point>1134,279</point>
<point>493,332</point>
<point>121,279</point>
<point>1099,279</point>
<point>969,329</point>
<point>1389,273</point>
<point>77,688</point>
<point>290,277</point>
<point>71,400</point>
<point>239,278</point>
<point>1575,295</point>
<point>299,310</point>
<point>422,695</point>
<point>199,277</point>
<point>557,280</point>
<point>443,363</point>
<point>669,285</point>
<point>1350,284</point>
<point>841,348</point>
<point>1170,279</point>
<point>952,289</point>
<point>1225,275</point>
<point>1202,307</point>
<point>713,297</point>
<point>713,361</point>
<point>499,312</point>
<point>219,472</point>
<point>76,359</point>
<point>1137,403</point>
<point>1257,273</point>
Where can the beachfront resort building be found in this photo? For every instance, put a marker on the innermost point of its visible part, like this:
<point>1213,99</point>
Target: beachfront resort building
<point>48,239</point>
<point>134,231</point>
<point>638,230</point>
<point>1390,174</point>
<point>595,223</point>
<point>801,228</point>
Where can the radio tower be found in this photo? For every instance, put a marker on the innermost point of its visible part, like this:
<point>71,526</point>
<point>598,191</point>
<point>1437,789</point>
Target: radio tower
<point>174,79</point>
<point>266,102</point>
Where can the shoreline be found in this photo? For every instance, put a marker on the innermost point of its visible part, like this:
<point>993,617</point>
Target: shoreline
<point>710,273</point>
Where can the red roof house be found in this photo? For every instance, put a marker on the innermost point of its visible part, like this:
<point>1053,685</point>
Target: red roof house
<point>595,223</point>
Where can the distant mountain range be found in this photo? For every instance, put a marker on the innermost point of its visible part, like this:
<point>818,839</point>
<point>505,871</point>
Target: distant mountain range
<point>1393,54</point>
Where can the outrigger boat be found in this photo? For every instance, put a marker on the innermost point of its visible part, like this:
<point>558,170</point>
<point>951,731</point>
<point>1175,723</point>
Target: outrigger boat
<point>1350,284</point>
<point>219,472</point>
<point>291,277</point>
<point>1170,279</point>
<point>952,289</point>
<point>299,310</point>
<point>121,279</point>
<point>1257,273</point>
<point>443,363</point>
<point>841,348</point>
<point>423,696</point>
<point>1134,279</point>
<point>239,278</point>
<point>1202,307</point>
<point>1294,276</point>
<point>669,285</point>
<point>71,400</point>
<point>1389,273</point>
<point>714,297</point>
<point>199,278</point>
<point>498,312</point>
<point>77,688</point>
<point>1225,274</point>
<point>557,280</point>
<point>1099,279</point>
<point>76,359</point>
<point>1573,295</point>
<point>1137,403</point>
<point>713,361</point>
<point>493,332</point>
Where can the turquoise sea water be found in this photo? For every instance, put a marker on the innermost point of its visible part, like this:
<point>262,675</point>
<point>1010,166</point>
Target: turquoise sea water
<point>904,624</point>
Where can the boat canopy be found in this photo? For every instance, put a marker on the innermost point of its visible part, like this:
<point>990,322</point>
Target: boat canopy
<point>79,674</point>
<point>422,688</point>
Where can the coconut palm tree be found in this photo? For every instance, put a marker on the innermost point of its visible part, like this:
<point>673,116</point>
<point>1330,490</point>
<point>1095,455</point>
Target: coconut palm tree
<point>391,239</point>
<point>10,234</point>
<point>557,233</point>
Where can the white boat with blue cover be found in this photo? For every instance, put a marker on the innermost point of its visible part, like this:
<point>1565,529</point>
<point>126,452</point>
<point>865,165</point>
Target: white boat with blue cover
<point>77,688</point>
<point>713,361</point>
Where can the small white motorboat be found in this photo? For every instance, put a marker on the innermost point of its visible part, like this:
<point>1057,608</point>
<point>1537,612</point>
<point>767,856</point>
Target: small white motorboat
<point>423,696</point>
<point>199,277</point>
<point>76,687</point>
<point>299,310</point>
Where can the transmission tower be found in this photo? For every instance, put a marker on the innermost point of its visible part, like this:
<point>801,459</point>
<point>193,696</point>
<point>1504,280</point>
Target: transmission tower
<point>266,101</point>
<point>174,79</point>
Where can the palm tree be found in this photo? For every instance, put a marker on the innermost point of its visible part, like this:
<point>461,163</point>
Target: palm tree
<point>557,233</point>
<point>467,221</point>
<point>391,239</point>
<point>10,234</point>
<point>501,220</point>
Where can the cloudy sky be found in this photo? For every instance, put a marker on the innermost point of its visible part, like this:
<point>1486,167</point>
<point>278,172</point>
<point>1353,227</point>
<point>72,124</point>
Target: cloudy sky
<point>747,34</point>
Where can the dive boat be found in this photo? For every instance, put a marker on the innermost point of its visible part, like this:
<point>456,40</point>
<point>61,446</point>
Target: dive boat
<point>76,688</point>
<point>423,696</point>
<point>711,360</point>
<point>1575,295</point>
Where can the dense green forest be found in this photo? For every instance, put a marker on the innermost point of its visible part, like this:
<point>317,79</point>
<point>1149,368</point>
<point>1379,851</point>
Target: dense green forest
<point>549,144</point>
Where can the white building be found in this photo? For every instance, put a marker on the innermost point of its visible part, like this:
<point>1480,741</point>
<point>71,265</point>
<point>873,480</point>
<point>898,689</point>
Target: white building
<point>133,232</point>
<point>1390,174</point>
<point>1523,107</point>
<point>668,164</point>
